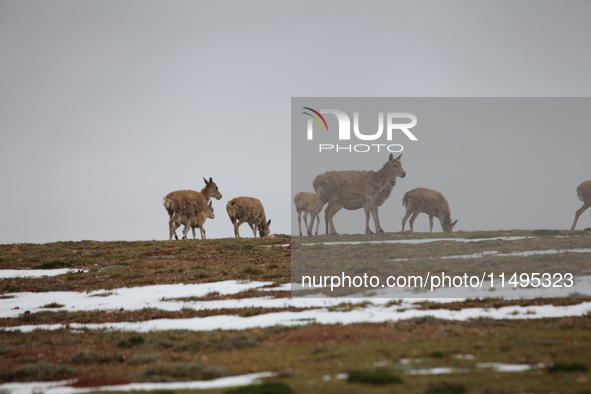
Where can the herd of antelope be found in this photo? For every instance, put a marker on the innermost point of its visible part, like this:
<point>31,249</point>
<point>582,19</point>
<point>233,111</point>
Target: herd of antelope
<point>191,209</point>
<point>370,189</point>
<point>339,189</point>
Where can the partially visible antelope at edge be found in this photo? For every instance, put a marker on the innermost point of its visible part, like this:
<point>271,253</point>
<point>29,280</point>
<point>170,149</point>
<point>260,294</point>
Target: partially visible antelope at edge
<point>430,202</point>
<point>304,202</point>
<point>189,203</point>
<point>584,193</point>
<point>193,221</point>
<point>248,210</point>
<point>352,205</point>
<point>338,187</point>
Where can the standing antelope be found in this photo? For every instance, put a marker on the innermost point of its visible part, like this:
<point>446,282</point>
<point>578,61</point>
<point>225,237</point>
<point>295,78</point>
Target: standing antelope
<point>248,210</point>
<point>338,187</point>
<point>194,221</point>
<point>584,193</point>
<point>304,202</point>
<point>189,203</point>
<point>352,205</point>
<point>430,202</point>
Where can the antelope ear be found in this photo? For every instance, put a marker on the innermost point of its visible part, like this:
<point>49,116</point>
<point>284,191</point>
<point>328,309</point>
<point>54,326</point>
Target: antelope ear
<point>398,158</point>
<point>269,222</point>
<point>205,180</point>
<point>454,223</point>
<point>211,180</point>
<point>390,157</point>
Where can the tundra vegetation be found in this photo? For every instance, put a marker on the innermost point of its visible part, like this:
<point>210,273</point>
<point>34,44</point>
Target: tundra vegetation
<point>308,358</point>
<point>339,187</point>
<point>189,203</point>
<point>248,210</point>
<point>430,202</point>
<point>584,193</point>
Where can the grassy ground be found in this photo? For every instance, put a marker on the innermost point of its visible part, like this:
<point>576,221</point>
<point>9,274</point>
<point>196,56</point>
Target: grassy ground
<point>309,358</point>
<point>406,259</point>
<point>127,264</point>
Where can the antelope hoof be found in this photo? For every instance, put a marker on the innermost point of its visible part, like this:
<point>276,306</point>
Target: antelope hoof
<point>368,231</point>
<point>381,231</point>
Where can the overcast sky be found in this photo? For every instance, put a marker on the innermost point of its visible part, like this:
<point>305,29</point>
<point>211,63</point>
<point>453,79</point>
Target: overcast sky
<point>106,106</point>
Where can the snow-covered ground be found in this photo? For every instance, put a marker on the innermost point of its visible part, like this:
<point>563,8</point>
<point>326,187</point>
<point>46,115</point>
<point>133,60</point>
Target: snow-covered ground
<point>63,386</point>
<point>5,274</point>
<point>316,308</point>
<point>417,241</point>
<point>377,307</point>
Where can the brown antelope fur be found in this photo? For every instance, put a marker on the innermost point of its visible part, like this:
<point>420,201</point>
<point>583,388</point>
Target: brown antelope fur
<point>189,203</point>
<point>248,210</point>
<point>304,202</point>
<point>337,187</point>
<point>430,202</point>
<point>584,193</point>
<point>194,221</point>
<point>352,205</point>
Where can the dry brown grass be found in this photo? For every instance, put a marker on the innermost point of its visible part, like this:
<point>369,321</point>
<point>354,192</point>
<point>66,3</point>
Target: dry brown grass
<point>303,356</point>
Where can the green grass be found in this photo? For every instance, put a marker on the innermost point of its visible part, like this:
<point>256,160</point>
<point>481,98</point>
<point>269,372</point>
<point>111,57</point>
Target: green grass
<point>263,388</point>
<point>132,341</point>
<point>567,367</point>
<point>53,305</point>
<point>180,372</point>
<point>548,232</point>
<point>377,377</point>
<point>446,388</point>
<point>53,265</point>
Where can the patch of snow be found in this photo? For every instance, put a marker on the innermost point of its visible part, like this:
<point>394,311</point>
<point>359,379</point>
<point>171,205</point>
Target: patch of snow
<point>436,371</point>
<point>328,378</point>
<point>521,254</point>
<point>417,241</point>
<point>34,387</point>
<point>370,314</point>
<point>465,357</point>
<point>6,274</point>
<point>283,287</point>
<point>62,387</point>
<point>503,367</point>
<point>131,298</point>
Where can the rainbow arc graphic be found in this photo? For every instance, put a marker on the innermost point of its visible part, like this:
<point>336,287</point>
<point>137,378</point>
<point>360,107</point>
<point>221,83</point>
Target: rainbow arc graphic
<point>315,116</point>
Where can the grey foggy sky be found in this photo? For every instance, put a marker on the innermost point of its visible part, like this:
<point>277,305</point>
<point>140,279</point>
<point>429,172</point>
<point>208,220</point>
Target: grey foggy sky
<point>502,163</point>
<point>106,106</point>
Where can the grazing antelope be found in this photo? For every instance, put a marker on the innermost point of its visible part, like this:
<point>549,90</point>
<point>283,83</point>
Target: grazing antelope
<point>584,193</point>
<point>194,221</point>
<point>338,187</point>
<point>430,202</point>
<point>304,202</point>
<point>248,210</point>
<point>189,203</point>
